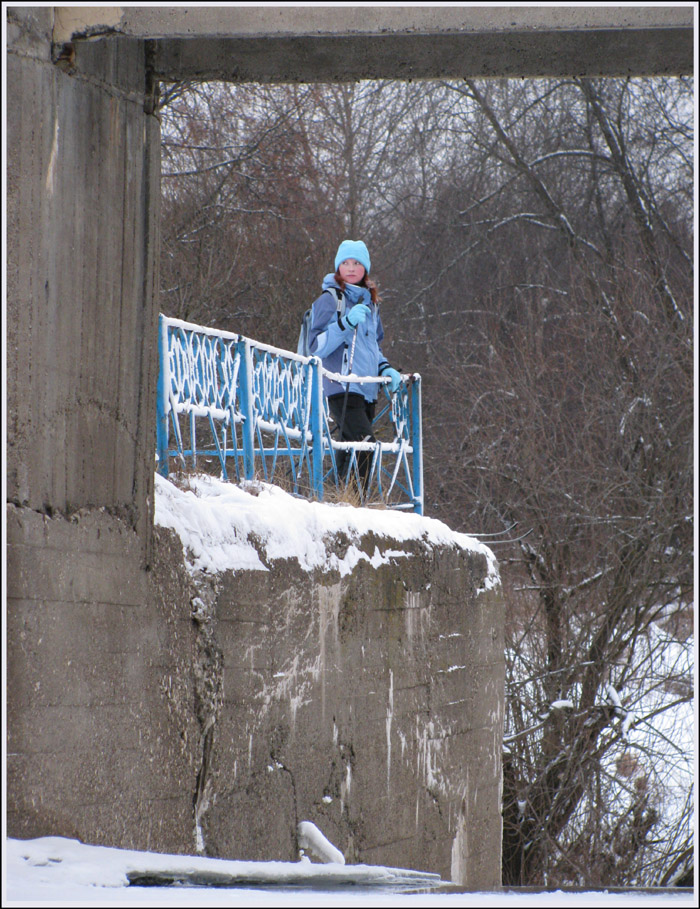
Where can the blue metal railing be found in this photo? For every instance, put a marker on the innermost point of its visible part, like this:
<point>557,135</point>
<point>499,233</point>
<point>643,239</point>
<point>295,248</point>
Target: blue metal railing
<point>261,410</point>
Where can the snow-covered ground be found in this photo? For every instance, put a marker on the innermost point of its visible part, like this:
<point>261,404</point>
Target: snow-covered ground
<point>53,871</point>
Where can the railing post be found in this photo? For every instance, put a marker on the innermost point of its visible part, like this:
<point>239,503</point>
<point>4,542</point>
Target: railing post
<point>245,376</point>
<point>317,428</point>
<point>162,405</point>
<point>417,443</point>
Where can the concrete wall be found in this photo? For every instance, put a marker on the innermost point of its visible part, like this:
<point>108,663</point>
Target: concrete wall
<point>90,641</point>
<point>102,740</point>
<point>142,705</point>
<point>83,167</point>
<point>371,705</point>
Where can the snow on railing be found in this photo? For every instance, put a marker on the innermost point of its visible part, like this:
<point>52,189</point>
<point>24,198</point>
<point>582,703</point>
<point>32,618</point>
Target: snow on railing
<point>260,411</point>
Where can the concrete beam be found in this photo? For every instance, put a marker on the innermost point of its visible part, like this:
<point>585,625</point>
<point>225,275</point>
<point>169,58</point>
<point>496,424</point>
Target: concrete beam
<point>315,43</point>
<point>346,59</point>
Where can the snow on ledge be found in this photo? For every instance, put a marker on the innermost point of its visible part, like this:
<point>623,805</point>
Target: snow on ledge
<point>217,522</point>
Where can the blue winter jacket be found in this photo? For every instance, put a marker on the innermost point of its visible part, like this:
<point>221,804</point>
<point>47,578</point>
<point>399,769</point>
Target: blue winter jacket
<point>332,341</point>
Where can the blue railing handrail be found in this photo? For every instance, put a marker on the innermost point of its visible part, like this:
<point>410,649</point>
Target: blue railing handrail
<point>263,406</point>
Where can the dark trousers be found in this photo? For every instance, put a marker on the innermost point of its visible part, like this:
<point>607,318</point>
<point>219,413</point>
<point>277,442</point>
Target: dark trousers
<point>356,427</point>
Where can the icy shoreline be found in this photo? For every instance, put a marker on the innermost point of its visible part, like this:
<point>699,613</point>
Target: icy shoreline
<point>63,872</point>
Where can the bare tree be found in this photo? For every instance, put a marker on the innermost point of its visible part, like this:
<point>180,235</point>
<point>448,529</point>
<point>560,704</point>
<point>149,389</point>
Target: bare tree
<point>576,424</point>
<point>238,227</point>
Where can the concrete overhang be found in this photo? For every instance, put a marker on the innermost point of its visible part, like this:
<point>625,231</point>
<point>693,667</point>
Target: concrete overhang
<point>269,43</point>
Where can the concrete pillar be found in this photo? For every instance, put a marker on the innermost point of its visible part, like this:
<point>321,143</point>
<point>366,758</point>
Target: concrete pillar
<point>83,194</point>
<point>93,750</point>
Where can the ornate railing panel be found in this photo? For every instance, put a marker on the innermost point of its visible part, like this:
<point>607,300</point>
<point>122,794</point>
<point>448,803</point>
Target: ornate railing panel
<point>257,409</point>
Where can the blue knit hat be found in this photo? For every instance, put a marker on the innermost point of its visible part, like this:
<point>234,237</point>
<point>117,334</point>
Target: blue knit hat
<point>353,249</point>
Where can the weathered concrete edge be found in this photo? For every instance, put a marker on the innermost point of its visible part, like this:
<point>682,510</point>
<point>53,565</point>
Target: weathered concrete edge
<point>169,22</point>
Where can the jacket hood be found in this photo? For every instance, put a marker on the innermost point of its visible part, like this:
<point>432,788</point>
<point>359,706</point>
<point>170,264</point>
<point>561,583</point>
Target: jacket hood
<point>353,292</point>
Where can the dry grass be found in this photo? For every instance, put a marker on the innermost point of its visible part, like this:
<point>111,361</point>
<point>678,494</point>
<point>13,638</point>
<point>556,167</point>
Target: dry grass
<point>183,476</point>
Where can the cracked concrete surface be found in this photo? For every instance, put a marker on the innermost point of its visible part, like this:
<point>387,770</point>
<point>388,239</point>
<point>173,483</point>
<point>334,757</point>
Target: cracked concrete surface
<point>370,705</point>
<point>175,712</point>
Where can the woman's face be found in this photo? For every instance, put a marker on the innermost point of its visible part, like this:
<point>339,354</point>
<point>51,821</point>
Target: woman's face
<point>351,271</point>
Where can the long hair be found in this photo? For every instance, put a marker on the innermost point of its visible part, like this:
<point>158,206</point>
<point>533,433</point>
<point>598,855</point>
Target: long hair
<point>365,282</point>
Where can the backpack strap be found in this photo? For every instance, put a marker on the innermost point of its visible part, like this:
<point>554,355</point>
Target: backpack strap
<point>340,297</point>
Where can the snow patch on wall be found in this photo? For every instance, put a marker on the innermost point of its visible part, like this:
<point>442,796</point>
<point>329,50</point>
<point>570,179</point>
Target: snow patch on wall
<point>328,610</point>
<point>458,869</point>
<point>51,170</point>
<point>345,787</point>
<point>294,683</point>
<point>430,739</point>
<point>417,615</point>
<point>389,719</point>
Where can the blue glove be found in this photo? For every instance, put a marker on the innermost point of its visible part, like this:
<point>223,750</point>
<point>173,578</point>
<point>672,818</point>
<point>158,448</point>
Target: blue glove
<point>395,378</point>
<point>357,315</point>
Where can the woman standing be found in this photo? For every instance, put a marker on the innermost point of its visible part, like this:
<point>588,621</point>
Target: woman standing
<point>357,327</point>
